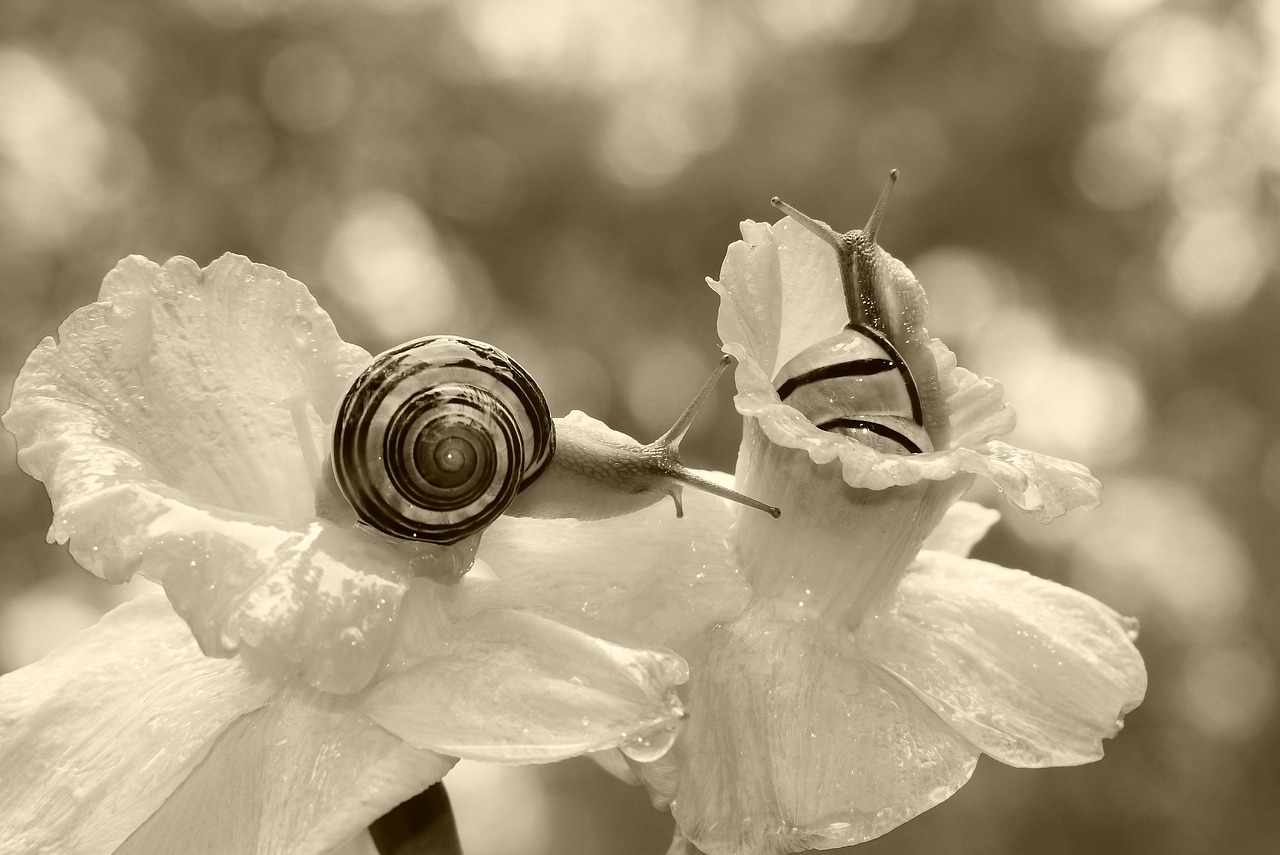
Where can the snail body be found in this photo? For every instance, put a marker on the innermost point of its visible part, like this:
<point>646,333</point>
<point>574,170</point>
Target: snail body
<point>441,435</point>
<point>864,382</point>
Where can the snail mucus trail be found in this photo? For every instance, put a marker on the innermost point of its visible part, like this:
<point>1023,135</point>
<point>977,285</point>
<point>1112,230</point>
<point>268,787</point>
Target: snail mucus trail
<point>442,434</point>
<point>858,382</point>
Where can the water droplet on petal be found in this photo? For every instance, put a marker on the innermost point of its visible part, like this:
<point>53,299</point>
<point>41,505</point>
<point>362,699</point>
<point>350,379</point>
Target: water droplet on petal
<point>586,721</point>
<point>649,747</point>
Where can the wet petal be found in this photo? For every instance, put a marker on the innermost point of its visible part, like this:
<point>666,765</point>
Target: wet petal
<point>658,579</point>
<point>836,550</point>
<point>96,735</point>
<point>1032,672</point>
<point>513,686</point>
<point>960,529</point>
<point>976,407</point>
<point>752,310</point>
<point>300,776</point>
<point>188,378</point>
<point>795,741</point>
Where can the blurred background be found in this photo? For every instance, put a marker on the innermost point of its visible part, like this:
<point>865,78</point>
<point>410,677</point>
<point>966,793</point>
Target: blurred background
<point>1089,194</point>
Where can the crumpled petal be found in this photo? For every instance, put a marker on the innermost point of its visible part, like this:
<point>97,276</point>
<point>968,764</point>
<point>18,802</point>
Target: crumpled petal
<point>657,578</point>
<point>1033,673</point>
<point>172,424</point>
<point>795,742</point>
<point>512,686</point>
<point>299,776</point>
<point>763,323</point>
<point>310,598</point>
<point>96,735</point>
<point>305,597</point>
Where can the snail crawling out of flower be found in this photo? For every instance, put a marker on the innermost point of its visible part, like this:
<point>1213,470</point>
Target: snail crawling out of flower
<point>869,381</point>
<point>441,435</point>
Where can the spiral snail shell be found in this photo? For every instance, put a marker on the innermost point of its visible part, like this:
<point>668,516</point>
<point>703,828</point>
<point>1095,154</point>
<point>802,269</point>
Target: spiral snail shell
<point>433,441</point>
<point>861,382</point>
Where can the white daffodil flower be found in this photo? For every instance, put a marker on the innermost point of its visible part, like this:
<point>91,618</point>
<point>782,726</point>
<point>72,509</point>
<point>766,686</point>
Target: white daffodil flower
<point>303,676</point>
<point>848,661</point>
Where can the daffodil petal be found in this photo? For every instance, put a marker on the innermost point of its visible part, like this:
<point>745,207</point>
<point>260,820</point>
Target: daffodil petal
<point>795,741</point>
<point>299,776</point>
<point>94,737</point>
<point>656,577</point>
<point>513,686</point>
<point>1033,673</point>
<point>960,529</point>
<point>976,408</point>
<point>188,378</point>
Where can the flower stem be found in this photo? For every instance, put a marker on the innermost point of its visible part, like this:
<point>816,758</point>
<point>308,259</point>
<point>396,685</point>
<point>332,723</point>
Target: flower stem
<point>423,825</point>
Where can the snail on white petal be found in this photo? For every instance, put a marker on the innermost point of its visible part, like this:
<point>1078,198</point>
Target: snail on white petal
<point>441,435</point>
<point>866,381</point>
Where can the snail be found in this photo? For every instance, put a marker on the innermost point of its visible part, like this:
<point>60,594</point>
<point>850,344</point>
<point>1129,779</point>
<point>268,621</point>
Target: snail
<point>441,435</point>
<point>863,382</point>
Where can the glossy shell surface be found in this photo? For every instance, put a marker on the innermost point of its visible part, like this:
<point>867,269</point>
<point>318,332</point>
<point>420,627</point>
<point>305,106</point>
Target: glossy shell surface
<point>433,441</point>
<point>857,384</point>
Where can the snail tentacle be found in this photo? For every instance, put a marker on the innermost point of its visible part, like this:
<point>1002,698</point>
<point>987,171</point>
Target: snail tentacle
<point>599,473</point>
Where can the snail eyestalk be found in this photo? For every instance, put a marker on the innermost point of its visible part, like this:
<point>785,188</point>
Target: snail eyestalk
<point>667,449</point>
<point>687,478</point>
<point>872,228</point>
<point>855,256</point>
<point>818,227</point>
<point>597,473</point>
<point>677,431</point>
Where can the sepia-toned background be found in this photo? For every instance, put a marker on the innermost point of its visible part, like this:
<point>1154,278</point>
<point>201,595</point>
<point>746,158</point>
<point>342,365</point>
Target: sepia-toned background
<point>1089,194</point>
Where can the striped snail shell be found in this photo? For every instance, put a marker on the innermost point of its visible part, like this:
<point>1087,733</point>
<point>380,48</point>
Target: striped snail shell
<point>437,436</point>
<point>856,382</point>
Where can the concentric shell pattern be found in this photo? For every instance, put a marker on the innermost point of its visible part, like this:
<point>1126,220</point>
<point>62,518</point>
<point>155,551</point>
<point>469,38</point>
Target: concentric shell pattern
<point>436,437</point>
